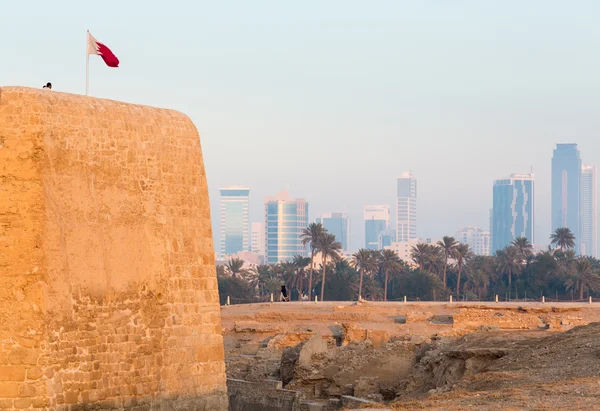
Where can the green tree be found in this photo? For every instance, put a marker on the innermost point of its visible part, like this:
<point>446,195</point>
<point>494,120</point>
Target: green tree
<point>523,246</point>
<point>237,289</point>
<point>478,275</point>
<point>421,255</point>
<point>420,285</point>
<point>461,254</point>
<point>388,262</point>
<point>509,263</point>
<point>342,284</point>
<point>448,244</point>
<point>300,264</point>
<point>584,276</point>
<point>364,262</point>
<point>311,235</point>
<point>563,238</point>
<point>234,265</point>
<point>329,250</point>
<point>261,277</point>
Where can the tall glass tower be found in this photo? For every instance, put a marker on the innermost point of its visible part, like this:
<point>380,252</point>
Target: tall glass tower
<point>337,224</point>
<point>377,220</point>
<point>513,211</point>
<point>566,181</point>
<point>234,220</point>
<point>588,244</point>
<point>406,207</point>
<point>285,217</point>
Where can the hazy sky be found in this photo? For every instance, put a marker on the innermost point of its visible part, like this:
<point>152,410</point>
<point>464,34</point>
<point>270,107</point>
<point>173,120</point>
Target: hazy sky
<point>334,99</point>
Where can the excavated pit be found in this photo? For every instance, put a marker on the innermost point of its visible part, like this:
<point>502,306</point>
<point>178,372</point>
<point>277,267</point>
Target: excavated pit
<point>397,355</point>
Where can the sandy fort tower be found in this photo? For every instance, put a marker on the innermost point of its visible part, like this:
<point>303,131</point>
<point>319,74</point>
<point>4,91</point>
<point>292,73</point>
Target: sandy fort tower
<point>108,292</point>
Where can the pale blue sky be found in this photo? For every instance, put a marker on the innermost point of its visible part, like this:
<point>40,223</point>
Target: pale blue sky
<point>336,98</point>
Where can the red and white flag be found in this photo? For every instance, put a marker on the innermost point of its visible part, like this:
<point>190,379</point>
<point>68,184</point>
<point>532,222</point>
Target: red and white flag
<point>95,47</point>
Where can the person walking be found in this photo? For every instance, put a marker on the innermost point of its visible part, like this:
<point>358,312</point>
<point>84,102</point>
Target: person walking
<point>284,295</point>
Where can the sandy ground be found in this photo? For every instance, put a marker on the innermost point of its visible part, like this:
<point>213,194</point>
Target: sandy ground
<point>550,359</point>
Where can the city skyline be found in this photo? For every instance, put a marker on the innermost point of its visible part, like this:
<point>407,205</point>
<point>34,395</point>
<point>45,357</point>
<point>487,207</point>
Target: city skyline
<point>513,212</point>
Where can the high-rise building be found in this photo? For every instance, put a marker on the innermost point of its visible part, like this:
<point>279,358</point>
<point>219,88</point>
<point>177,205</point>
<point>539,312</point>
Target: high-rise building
<point>566,183</point>
<point>337,224</point>
<point>588,244</point>
<point>513,211</point>
<point>285,217</point>
<point>406,208</point>
<point>234,220</point>
<point>386,238</point>
<point>257,238</point>
<point>377,220</point>
<point>477,239</point>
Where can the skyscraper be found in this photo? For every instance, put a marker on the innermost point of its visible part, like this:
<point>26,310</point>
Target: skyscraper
<point>257,238</point>
<point>588,244</point>
<point>406,208</point>
<point>386,238</point>
<point>377,220</point>
<point>337,224</point>
<point>566,181</point>
<point>477,239</point>
<point>234,220</point>
<point>513,211</point>
<point>285,217</point>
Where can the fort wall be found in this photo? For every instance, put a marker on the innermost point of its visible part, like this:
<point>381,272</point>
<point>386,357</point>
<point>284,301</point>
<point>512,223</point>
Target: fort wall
<point>108,291</point>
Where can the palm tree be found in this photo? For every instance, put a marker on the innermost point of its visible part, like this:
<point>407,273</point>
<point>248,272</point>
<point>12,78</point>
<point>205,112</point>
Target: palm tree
<point>585,276</point>
<point>388,261</point>
<point>461,254</point>
<point>310,235</point>
<point>509,262</point>
<point>477,277</point>
<point>300,263</point>
<point>363,261</point>
<point>288,273</point>
<point>563,238</point>
<point>421,254</point>
<point>329,249</point>
<point>448,244</point>
<point>258,276</point>
<point>523,246</point>
<point>234,265</point>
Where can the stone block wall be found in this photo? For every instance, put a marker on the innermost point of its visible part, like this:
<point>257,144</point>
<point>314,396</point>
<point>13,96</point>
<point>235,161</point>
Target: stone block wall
<point>261,396</point>
<point>108,292</point>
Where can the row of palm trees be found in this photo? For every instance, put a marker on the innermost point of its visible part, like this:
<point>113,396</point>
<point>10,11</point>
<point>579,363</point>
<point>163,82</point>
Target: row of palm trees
<point>515,259</point>
<point>366,262</point>
<point>435,270</point>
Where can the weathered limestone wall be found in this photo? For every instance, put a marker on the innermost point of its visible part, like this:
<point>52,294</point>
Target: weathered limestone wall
<point>261,396</point>
<point>108,292</point>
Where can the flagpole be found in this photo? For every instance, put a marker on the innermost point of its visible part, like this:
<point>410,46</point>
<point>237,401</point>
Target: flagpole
<point>87,63</point>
